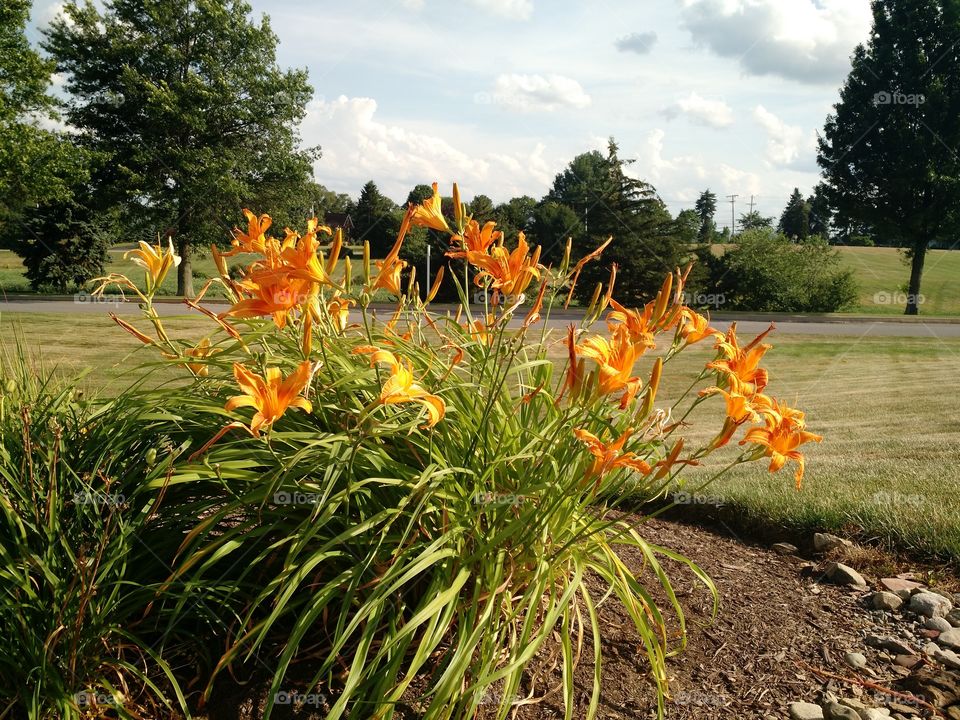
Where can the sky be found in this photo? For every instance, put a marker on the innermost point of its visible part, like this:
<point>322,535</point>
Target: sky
<point>499,95</point>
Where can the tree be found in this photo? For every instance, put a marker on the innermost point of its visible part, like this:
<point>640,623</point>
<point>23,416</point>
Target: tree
<point>888,151</point>
<point>515,215</point>
<point>689,224</point>
<point>375,219</point>
<point>552,224</point>
<point>186,99</point>
<point>706,208</point>
<point>481,209</point>
<point>795,220</point>
<point>753,220</point>
<point>37,165</point>
<point>613,204</point>
<point>821,214</point>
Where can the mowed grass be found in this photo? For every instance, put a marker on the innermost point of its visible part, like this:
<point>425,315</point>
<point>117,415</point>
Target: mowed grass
<point>887,470</point>
<point>883,275</point>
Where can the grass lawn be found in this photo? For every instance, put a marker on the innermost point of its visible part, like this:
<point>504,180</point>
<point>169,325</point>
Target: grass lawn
<point>887,468</point>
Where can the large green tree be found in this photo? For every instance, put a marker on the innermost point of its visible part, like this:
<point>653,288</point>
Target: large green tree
<point>187,100</point>
<point>375,219</point>
<point>889,149</point>
<point>37,164</point>
<point>706,208</point>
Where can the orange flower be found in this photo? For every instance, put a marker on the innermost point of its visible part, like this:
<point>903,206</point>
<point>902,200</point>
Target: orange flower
<point>666,465</point>
<point>389,269</point>
<point>401,388</point>
<point>741,408</point>
<point>509,272</point>
<point>476,240</point>
<point>576,371</point>
<point>610,457</point>
<point>782,433</point>
<point>255,239</point>
<point>636,324</point>
<point>430,213</point>
<point>156,261</point>
<point>482,330</point>
<point>270,395</point>
<point>201,351</point>
<point>299,257</point>
<point>740,365</point>
<point>339,310</point>
<point>694,327</point>
<point>272,292</point>
<point>615,359</point>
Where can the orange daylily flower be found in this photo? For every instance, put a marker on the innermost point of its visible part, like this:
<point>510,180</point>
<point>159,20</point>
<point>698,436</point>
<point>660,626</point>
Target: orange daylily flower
<point>534,313</point>
<point>673,458</point>
<point>609,457</point>
<point>509,272</point>
<point>271,293</point>
<point>475,239</point>
<point>741,408</point>
<point>782,433</point>
<point>694,327</point>
<point>301,260</point>
<point>389,269</point>
<point>156,261</point>
<point>401,388</point>
<point>430,213</point>
<point>637,324</point>
<point>255,239</point>
<point>201,351</point>
<point>481,330</point>
<point>339,310</point>
<point>271,395</point>
<point>615,359</point>
<point>740,365</point>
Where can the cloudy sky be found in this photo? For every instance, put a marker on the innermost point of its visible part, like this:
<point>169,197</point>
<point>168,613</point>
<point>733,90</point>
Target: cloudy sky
<point>501,94</point>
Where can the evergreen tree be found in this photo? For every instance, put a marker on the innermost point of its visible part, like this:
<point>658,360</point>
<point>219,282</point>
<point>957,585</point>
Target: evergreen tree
<point>821,214</point>
<point>706,208</point>
<point>889,150</point>
<point>753,220</point>
<point>187,101</point>
<point>375,218</point>
<point>515,215</point>
<point>481,209</point>
<point>795,220</point>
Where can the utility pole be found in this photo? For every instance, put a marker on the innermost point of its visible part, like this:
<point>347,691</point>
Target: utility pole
<point>733,214</point>
<point>751,204</point>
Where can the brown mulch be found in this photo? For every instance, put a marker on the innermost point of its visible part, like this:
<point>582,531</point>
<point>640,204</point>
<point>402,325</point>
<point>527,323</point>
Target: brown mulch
<point>779,636</point>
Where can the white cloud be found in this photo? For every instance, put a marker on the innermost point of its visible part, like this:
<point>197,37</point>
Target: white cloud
<point>531,93</point>
<point>357,147</point>
<point>414,5</point>
<point>702,111</point>
<point>787,145</point>
<point>640,43</point>
<point>512,9</point>
<point>806,40</point>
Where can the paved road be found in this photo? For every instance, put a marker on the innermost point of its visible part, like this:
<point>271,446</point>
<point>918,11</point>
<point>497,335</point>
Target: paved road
<point>85,305</point>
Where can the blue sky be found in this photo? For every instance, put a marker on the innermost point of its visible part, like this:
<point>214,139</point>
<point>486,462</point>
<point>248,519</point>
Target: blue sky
<point>500,94</point>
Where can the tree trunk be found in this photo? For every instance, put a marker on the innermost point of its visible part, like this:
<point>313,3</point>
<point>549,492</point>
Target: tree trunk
<point>185,271</point>
<point>916,273</point>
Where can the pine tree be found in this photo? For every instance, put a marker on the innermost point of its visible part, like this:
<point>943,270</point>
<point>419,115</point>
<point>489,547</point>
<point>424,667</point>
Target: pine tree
<point>706,208</point>
<point>889,150</point>
<point>375,219</point>
<point>795,220</point>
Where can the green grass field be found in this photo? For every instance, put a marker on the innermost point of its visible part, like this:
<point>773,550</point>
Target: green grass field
<point>886,471</point>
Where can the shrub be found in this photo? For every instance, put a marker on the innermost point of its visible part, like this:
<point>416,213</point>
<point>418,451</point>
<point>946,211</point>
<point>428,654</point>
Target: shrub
<point>415,504</point>
<point>767,272</point>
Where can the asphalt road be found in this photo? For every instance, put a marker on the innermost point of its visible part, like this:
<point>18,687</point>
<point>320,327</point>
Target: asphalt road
<point>857,327</point>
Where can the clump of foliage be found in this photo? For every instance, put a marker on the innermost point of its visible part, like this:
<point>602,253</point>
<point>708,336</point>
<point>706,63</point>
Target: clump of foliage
<point>767,272</point>
<point>413,504</point>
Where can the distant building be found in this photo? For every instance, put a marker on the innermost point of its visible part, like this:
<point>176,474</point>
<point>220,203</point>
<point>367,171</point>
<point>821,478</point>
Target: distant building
<point>342,221</point>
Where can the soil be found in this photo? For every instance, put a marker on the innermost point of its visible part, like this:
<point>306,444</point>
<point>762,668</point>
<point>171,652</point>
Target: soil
<point>780,636</point>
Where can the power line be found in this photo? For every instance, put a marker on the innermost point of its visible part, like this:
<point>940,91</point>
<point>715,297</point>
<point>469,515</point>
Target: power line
<point>733,213</point>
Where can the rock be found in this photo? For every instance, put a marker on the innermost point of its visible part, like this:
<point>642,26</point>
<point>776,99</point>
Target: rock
<point>825,542</point>
<point>930,649</point>
<point>900,587</point>
<point>784,549</point>
<point>890,643</point>
<point>805,711</point>
<point>929,634</point>
<point>930,604</point>
<point>843,574</point>
<point>951,638</point>
<point>885,601</point>
<point>851,703</point>
<point>875,714</point>
<point>836,711</point>
<point>906,710</point>
<point>937,623</point>
<point>954,618</point>
<point>907,661</point>
<point>948,658</point>
<point>855,660</point>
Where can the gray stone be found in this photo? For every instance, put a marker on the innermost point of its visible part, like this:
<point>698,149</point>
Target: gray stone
<point>836,711</point>
<point>930,604</point>
<point>784,549</point>
<point>890,643</point>
<point>805,711</point>
<point>876,714</point>
<point>954,618</point>
<point>825,542</point>
<point>843,574</point>
<point>950,638</point>
<point>855,660</point>
<point>937,623</point>
<point>885,601</point>
<point>948,658</point>
<point>900,587</point>
<point>931,649</point>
